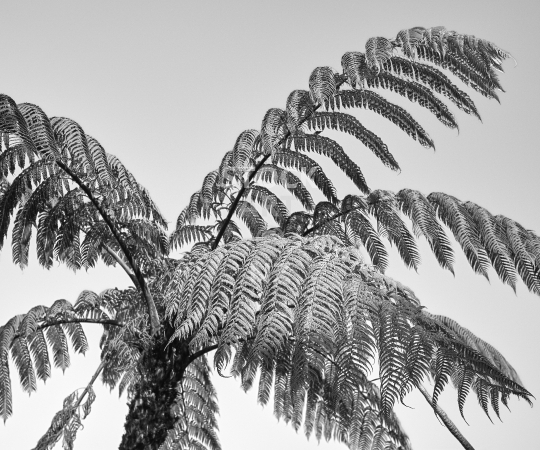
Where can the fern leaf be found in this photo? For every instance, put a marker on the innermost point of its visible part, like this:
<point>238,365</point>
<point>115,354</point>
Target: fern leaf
<point>299,107</point>
<point>322,85</point>
<point>378,51</point>
<point>385,210</point>
<point>244,148</point>
<point>270,202</point>
<point>434,79</point>
<point>306,165</point>
<point>350,124</point>
<point>330,148</point>
<point>355,68</point>
<point>190,233</point>
<point>415,92</point>
<point>452,214</point>
<point>251,217</point>
<point>374,102</point>
<point>272,174</point>
<point>273,129</point>
<point>424,221</point>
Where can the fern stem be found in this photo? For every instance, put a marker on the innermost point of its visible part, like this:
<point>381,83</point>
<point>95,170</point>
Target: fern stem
<point>236,201</point>
<point>121,263</point>
<point>141,282</point>
<point>446,420</point>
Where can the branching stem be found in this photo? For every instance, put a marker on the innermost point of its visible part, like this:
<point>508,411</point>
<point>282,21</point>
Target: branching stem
<point>141,282</point>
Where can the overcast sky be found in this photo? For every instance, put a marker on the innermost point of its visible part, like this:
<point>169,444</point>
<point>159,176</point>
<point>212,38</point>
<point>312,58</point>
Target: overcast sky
<point>167,87</point>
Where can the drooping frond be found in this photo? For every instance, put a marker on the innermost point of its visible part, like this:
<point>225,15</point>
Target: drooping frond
<point>30,338</point>
<point>307,166</point>
<point>383,207</point>
<point>374,102</point>
<point>313,305</point>
<point>471,59</point>
<point>351,125</point>
<point>434,79</point>
<point>252,218</point>
<point>486,240</point>
<point>270,202</point>
<point>416,93</point>
<point>272,174</point>
<point>195,410</point>
<point>330,148</point>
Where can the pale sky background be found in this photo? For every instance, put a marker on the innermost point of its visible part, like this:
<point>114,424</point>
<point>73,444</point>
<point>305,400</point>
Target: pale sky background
<point>167,87</point>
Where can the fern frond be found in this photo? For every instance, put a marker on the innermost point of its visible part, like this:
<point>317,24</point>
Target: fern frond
<point>190,233</point>
<point>432,78</point>
<point>252,218</point>
<point>330,148</point>
<point>270,202</point>
<point>273,129</point>
<point>424,221</point>
<point>299,106</point>
<point>454,216</point>
<point>272,174</point>
<point>378,51</point>
<point>415,92</point>
<point>322,85</point>
<point>306,165</point>
<point>351,125</point>
<point>384,208</point>
<point>67,421</point>
<point>244,148</point>
<point>374,102</point>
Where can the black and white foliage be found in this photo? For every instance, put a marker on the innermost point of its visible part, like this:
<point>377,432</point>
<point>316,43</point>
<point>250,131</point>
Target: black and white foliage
<point>301,303</point>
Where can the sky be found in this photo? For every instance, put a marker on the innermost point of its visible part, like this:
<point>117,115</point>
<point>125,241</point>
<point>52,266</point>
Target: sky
<point>167,87</point>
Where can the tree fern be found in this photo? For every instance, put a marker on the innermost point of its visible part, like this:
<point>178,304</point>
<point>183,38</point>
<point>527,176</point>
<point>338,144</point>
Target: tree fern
<point>303,305</point>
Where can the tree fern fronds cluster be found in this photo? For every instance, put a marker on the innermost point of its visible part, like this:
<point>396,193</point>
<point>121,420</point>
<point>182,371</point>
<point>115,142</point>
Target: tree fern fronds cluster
<point>315,303</point>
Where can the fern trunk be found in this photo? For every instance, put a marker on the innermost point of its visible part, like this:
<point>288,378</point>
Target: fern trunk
<point>150,415</point>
